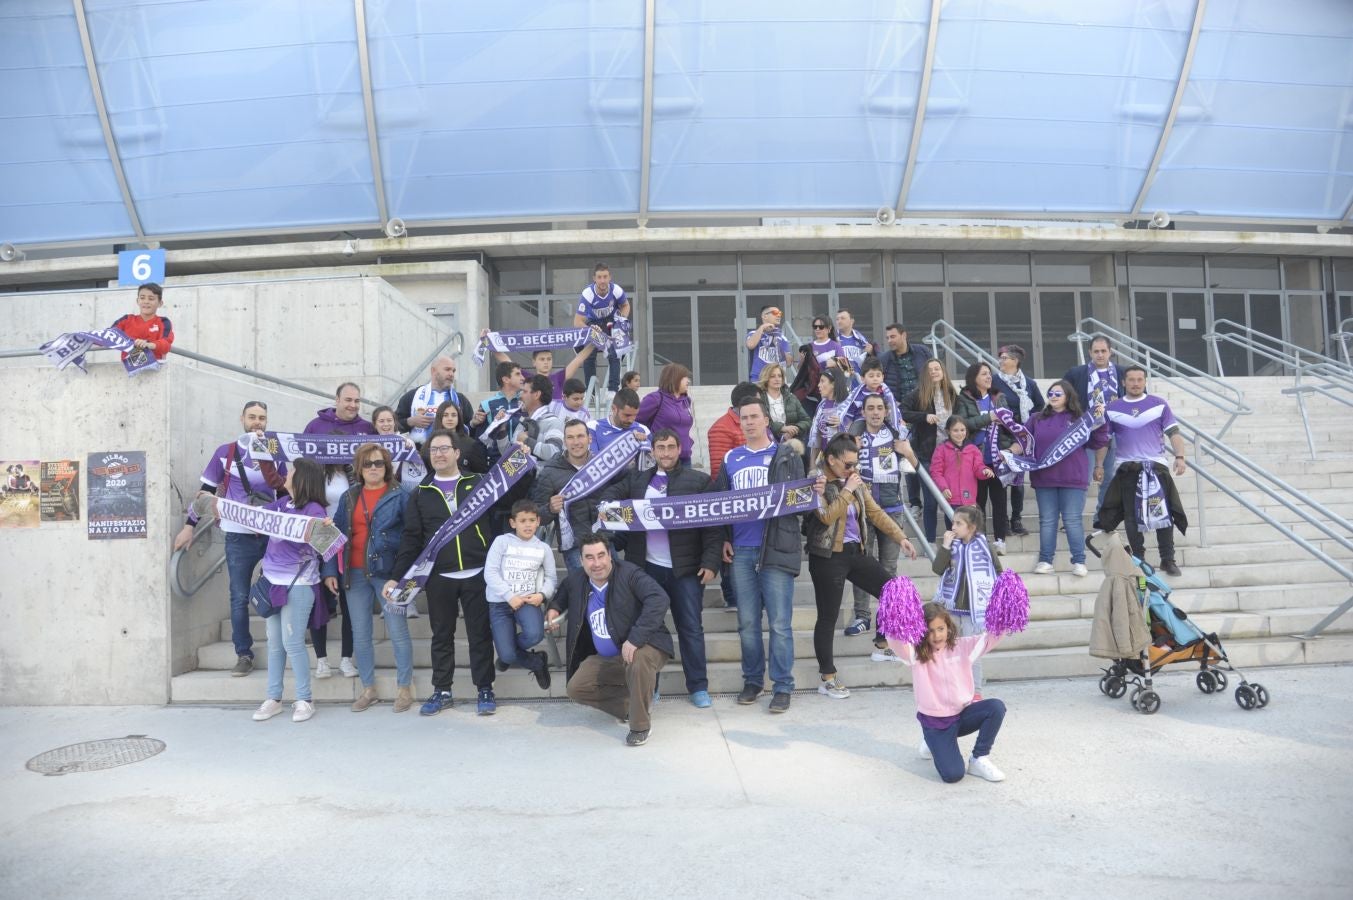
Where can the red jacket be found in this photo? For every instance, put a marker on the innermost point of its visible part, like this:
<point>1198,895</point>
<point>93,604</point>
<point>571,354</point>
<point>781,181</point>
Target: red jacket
<point>723,435</point>
<point>957,471</point>
<point>159,331</point>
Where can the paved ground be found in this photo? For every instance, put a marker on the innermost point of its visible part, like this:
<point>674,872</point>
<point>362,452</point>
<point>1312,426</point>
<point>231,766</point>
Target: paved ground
<point>544,801</point>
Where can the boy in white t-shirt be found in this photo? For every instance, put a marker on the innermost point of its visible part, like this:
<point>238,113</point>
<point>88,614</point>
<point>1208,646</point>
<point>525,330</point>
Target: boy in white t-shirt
<point>519,576</point>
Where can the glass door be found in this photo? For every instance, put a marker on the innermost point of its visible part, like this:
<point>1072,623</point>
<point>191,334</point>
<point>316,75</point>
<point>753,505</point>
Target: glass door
<point>1173,322</point>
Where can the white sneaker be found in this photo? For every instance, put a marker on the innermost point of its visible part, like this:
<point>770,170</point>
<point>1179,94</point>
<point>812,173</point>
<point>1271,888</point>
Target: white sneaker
<point>923,750</point>
<point>322,669</point>
<point>1043,568</point>
<point>302,710</point>
<point>1079,570</point>
<point>1000,548</point>
<point>269,709</point>
<point>983,767</point>
<point>347,668</point>
<point>884,654</point>
<point>834,689</point>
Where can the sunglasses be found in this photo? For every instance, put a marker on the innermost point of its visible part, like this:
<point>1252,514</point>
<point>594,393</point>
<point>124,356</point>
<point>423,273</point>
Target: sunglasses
<point>1056,394</point>
<point>374,464</point>
<point>820,325</point>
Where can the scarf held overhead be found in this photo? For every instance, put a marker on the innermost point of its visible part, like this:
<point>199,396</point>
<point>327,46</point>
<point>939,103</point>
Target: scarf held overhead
<point>540,339</point>
<point>703,510</point>
<point>332,449</point>
<point>70,349</point>
<point>491,488</point>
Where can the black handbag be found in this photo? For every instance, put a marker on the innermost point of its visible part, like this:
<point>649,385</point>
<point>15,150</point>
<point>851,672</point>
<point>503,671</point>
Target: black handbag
<point>260,593</point>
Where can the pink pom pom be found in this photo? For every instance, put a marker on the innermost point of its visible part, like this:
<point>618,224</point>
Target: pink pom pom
<point>900,614</point>
<point>1008,611</point>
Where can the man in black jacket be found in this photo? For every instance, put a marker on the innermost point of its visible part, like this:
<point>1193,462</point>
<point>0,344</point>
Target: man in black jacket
<point>617,642</point>
<point>681,561</point>
<point>903,366</point>
<point>547,492</point>
<point>457,573</point>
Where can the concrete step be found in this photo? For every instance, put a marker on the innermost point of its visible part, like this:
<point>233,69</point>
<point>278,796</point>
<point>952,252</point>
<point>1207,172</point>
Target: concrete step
<point>219,688</point>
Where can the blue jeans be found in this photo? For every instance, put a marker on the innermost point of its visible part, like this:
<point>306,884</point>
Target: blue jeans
<point>1069,504</point>
<point>243,553</point>
<point>362,593</point>
<point>687,597</point>
<point>573,559</point>
<point>397,630</point>
<point>612,367</point>
<point>930,511</point>
<point>771,590</point>
<point>984,717</point>
<point>1110,466</point>
<point>512,645</point>
<point>286,642</point>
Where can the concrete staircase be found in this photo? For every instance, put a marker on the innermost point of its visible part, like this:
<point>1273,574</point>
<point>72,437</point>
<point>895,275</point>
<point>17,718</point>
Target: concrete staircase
<point>1250,584</point>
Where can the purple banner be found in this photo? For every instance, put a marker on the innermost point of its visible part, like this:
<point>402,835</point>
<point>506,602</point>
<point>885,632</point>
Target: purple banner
<point>702,510</point>
<point>333,449</point>
<point>540,339</point>
<point>596,472</point>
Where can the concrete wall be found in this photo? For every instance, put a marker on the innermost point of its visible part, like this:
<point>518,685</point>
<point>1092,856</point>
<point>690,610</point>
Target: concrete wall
<point>86,622</point>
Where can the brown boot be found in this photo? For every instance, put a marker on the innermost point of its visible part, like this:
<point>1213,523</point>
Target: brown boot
<point>404,699</point>
<point>365,699</point>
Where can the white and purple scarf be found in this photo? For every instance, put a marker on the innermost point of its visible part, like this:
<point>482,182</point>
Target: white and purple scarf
<point>1153,511</point>
<point>326,539</point>
<point>490,489</point>
<point>754,504</point>
<point>333,449</point>
<point>70,349</point>
<point>1003,418</point>
<point>540,339</point>
<point>971,562</point>
<point>595,474</point>
<point>1010,467</point>
<point>1107,383</point>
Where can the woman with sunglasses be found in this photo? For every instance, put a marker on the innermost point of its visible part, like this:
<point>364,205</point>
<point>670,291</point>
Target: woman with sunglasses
<point>837,534</point>
<point>1060,488</point>
<point>371,515</point>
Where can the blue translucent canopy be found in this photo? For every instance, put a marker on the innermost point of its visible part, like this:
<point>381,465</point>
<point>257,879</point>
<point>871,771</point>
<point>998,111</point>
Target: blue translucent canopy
<point>251,115</point>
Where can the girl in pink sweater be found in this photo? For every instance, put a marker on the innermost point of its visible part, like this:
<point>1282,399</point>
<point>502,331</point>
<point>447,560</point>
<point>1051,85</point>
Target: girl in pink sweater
<point>942,679</point>
<point>956,468</point>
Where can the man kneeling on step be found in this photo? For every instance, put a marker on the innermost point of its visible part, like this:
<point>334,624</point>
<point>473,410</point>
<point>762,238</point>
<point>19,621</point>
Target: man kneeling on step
<point>617,642</point>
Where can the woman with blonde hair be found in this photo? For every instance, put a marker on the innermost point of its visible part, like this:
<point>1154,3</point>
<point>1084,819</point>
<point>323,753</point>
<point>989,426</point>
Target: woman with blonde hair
<point>788,418</point>
<point>925,410</point>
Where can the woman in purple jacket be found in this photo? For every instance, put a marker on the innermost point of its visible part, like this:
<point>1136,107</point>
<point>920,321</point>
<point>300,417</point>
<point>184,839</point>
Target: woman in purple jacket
<point>670,407</point>
<point>1060,488</point>
<point>294,567</point>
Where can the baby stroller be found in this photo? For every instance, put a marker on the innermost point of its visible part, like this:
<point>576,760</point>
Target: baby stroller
<point>1174,639</point>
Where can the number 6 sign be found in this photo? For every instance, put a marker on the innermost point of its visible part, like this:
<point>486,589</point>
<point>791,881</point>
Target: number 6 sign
<point>136,267</point>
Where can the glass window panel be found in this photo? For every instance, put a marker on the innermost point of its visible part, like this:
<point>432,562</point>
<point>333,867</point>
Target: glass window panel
<point>514,314</point>
<point>517,276</point>
<point>235,115</point>
<point>972,316</point>
<point>58,183</point>
<point>1057,310</point>
<point>865,308</point>
<point>1014,323</point>
<point>1262,128</point>
<point>678,272</point>
<point>918,268</point>
<point>988,268</point>
<point>672,331</point>
<point>788,270</point>
<point>1234,360</point>
<point>1165,270</point>
<point>1152,319</point>
<point>1266,316</point>
<point>918,311</point>
<point>1073,268</point>
<point>858,270</point>
<point>1302,274</point>
<point>562,309</point>
<point>1056,105</point>
<point>720,349</point>
<point>508,108</point>
<point>802,308</point>
<point>778,105</point>
<point>1306,316</point>
<point>1190,323</point>
<point>1343,274</point>
<point>572,274</point>
<point>1244,272</point>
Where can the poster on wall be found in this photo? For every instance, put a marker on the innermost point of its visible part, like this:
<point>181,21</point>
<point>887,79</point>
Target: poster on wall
<point>117,495</point>
<point>19,493</point>
<point>60,498</point>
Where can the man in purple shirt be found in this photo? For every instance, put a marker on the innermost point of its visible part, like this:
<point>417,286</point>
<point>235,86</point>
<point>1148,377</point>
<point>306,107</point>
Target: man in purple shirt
<point>598,304</point>
<point>344,417</point>
<point>1140,424</point>
<point>233,474</point>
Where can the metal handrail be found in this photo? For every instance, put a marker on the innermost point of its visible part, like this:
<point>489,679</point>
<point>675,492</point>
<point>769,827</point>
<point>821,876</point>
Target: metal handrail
<point>1215,392</point>
<point>1342,336</point>
<point>958,344</point>
<point>454,337</point>
<point>1292,355</point>
<point>1207,450</point>
<point>201,545</point>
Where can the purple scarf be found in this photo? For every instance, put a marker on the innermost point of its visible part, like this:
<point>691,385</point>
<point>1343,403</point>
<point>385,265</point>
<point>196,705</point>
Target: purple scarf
<point>70,349</point>
<point>595,474</point>
<point>541,339</point>
<point>971,562</point>
<point>1009,466</point>
<point>1005,419</point>
<point>770,501</point>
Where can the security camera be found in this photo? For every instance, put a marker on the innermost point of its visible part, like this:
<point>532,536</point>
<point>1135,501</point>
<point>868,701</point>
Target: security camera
<point>349,249</point>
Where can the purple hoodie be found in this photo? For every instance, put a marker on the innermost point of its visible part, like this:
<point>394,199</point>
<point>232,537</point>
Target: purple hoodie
<point>328,422</point>
<point>659,410</point>
<point>1074,470</point>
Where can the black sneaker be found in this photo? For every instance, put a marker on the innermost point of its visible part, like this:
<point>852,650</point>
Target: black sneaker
<point>1017,527</point>
<point>501,666</point>
<point>542,671</point>
<point>1169,568</point>
<point>243,666</point>
<point>637,738</point>
<point>747,696</point>
<point>780,702</point>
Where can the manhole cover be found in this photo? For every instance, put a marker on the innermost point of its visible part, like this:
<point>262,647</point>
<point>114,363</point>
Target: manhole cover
<point>91,756</point>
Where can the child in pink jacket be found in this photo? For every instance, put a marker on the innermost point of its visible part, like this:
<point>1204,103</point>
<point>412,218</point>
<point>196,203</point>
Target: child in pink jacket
<point>941,674</point>
<point>956,468</point>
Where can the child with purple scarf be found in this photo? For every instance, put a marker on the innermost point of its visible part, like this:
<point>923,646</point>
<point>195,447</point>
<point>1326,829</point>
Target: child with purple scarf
<point>968,571</point>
